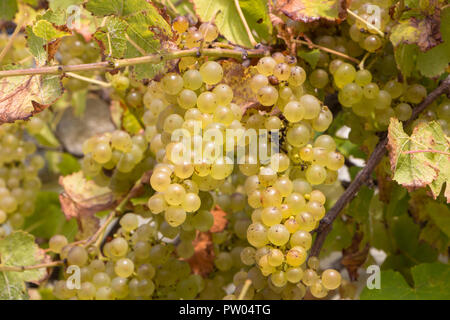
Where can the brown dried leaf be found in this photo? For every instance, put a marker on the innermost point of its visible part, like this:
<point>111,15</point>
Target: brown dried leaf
<point>237,77</point>
<point>353,257</point>
<point>309,11</point>
<point>202,262</point>
<point>23,96</point>
<point>220,222</point>
<point>81,199</point>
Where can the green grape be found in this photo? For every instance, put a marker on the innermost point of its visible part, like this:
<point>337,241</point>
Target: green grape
<point>172,83</point>
<point>298,135</point>
<point>119,287</point>
<point>257,82</point>
<point>271,216</point>
<point>266,66</point>
<point>355,33</point>
<point>102,153</point>
<point>56,243</point>
<point>282,71</point>
<point>278,235</point>
<point>77,256</point>
<point>187,99</point>
<point>318,290</point>
<point>297,76</point>
<point>124,267</point>
<point>294,111</point>
<point>173,122</point>
<point>372,43</point>
<point>202,220</point>
<point>257,235</point>
<point>278,279</point>
<point>415,93</point>
<point>334,65</point>
<point>175,215</point>
<point>311,105</point>
<point>191,202</point>
<point>207,102</point>
<point>294,274</point>
<point>331,279</point>
<point>209,31</point>
<point>160,181</point>
<point>335,161</point>
<point>267,95</point>
<point>371,90</point>
<point>326,142</point>
<point>394,88</point>
<point>224,94</point>
<point>223,261</point>
<point>383,100</point>
<point>120,83</point>
<point>403,111</point>
<point>193,38</point>
<point>318,78</point>
<point>87,291</point>
<point>134,99</point>
<point>211,72</point>
<point>180,24</point>
<point>104,293</point>
<point>129,222</point>
<point>363,77</point>
<point>344,75</point>
<point>119,247</point>
<point>350,94</point>
<point>296,256</point>
<point>192,79</point>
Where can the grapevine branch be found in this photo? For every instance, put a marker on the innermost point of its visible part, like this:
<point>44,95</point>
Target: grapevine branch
<point>152,58</point>
<point>334,52</point>
<point>325,225</point>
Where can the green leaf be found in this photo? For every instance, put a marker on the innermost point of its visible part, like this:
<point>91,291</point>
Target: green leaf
<point>48,219</point>
<point>309,11</point>
<point>440,214</point>
<point>425,166</point>
<point>405,57</point>
<point>47,31</point>
<point>63,4</point>
<point>339,238</point>
<point>36,46</point>
<point>47,138</point>
<point>19,249</point>
<point>312,56</point>
<point>431,282</point>
<point>113,36</point>
<point>230,24</point>
<point>8,9</point>
<point>359,207</point>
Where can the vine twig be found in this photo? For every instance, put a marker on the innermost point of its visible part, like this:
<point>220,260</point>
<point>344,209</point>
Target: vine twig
<point>90,80</point>
<point>152,58</point>
<point>369,25</point>
<point>4,268</point>
<point>374,159</point>
<point>336,53</point>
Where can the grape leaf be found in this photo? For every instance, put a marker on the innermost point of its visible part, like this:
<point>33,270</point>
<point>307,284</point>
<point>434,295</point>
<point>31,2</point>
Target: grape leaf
<point>48,219</point>
<point>8,9</point>
<point>404,32</point>
<point>405,57</point>
<point>47,31</point>
<point>423,167</point>
<point>440,214</point>
<point>431,282</point>
<point>229,23</point>
<point>23,96</point>
<point>112,37</point>
<point>63,4</point>
<point>434,62</point>
<point>309,11</point>
<point>36,46</point>
<point>19,249</point>
<point>83,198</point>
<point>312,56</point>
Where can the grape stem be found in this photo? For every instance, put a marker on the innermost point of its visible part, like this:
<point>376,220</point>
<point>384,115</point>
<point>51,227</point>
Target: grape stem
<point>244,290</point>
<point>363,60</point>
<point>244,22</point>
<point>4,268</point>
<point>363,176</point>
<point>152,58</point>
<point>336,53</point>
<point>11,39</point>
<point>90,80</point>
<point>369,25</point>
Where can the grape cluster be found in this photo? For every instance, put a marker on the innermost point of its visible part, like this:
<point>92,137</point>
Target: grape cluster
<point>75,50</point>
<point>133,265</point>
<point>19,181</point>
